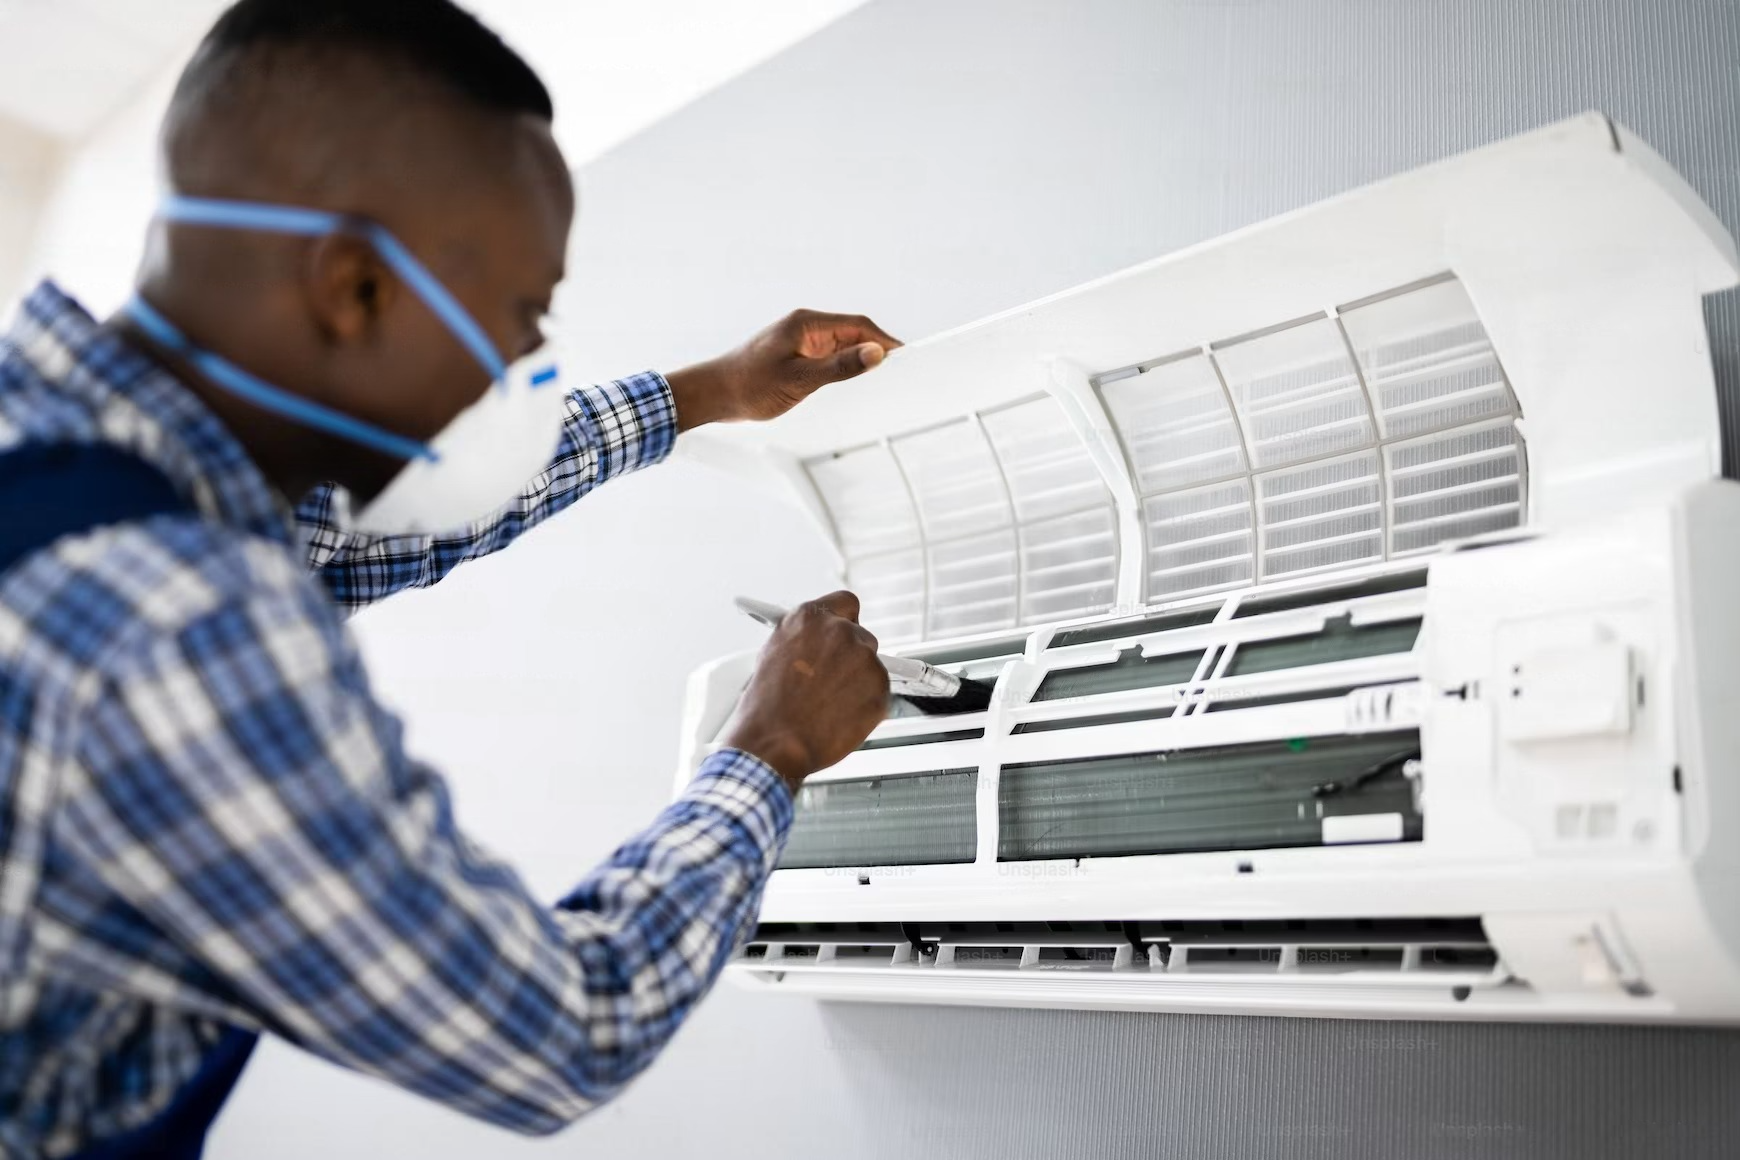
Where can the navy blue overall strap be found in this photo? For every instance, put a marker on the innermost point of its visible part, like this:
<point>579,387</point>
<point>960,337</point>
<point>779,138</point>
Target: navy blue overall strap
<point>49,491</point>
<point>178,1131</point>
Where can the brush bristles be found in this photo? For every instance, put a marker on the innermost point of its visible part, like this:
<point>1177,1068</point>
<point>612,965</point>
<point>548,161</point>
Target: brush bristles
<point>971,697</point>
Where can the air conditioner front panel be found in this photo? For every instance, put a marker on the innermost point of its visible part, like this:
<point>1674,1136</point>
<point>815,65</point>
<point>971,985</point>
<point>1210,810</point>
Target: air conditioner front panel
<point>1345,585</point>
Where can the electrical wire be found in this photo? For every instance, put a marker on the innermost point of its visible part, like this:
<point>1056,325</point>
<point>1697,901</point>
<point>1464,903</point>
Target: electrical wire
<point>1358,781</point>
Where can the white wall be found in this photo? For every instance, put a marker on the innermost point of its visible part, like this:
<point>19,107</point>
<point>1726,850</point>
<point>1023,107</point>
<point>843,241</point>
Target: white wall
<point>27,163</point>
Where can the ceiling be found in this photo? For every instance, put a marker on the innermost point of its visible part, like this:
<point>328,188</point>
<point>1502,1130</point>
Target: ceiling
<point>66,66</point>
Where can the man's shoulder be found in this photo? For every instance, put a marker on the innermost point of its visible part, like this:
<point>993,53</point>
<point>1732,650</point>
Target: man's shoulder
<point>100,598</point>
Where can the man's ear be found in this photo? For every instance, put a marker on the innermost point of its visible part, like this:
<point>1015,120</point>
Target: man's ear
<point>349,288</point>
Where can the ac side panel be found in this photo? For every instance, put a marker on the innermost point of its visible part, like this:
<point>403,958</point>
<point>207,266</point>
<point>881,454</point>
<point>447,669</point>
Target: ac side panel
<point>1707,549</point>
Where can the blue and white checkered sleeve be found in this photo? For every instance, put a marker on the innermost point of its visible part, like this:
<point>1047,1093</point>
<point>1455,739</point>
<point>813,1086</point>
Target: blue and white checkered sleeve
<point>611,429</point>
<point>238,787</point>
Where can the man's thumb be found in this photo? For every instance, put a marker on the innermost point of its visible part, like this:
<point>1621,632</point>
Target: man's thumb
<point>858,359</point>
<point>846,364</point>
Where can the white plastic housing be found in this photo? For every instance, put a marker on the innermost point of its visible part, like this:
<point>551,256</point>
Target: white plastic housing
<point>1476,398</point>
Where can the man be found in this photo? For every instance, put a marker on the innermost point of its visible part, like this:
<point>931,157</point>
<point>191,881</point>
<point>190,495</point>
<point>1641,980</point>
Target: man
<point>208,826</point>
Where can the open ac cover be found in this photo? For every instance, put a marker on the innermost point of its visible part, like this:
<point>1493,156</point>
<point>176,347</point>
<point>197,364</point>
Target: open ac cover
<point>1358,592</point>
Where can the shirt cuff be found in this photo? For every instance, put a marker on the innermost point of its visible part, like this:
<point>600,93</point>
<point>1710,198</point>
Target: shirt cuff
<point>747,788</point>
<point>632,422</point>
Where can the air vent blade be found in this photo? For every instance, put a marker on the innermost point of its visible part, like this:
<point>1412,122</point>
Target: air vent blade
<point>1297,394</point>
<point>1049,471</point>
<point>955,481</point>
<point>890,594</point>
<point>972,585</point>
<point>1453,485</point>
<point>1427,360</point>
<point>1321,515</point>
<point>1068,566</point>
<point>1200,540</point>
<point>864,491</point>
<point>1176,425</point>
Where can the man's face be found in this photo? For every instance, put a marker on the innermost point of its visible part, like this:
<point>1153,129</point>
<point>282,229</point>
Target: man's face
<point>504,253</point>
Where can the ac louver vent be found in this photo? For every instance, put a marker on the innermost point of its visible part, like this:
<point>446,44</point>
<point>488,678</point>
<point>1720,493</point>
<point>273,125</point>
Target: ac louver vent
<point>1122,629</point>
<point>997,520</point>
<point>1422,949</point>
<point>1339,639</point>
<point>1378,430</point>
<point>1329,594</point>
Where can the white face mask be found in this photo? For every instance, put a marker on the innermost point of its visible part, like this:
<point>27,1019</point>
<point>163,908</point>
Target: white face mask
<point>474,466</point>
<point>485,458</point>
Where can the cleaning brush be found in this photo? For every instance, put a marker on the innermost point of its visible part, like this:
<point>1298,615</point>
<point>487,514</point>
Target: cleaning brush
<point>929,689</point>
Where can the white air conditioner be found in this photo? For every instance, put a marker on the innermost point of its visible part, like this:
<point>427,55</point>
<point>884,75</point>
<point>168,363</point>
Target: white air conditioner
<point>1359,590</point>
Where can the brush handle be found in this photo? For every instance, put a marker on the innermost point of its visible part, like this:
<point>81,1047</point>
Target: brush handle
<point>761,610</point>
<point>907,676</point>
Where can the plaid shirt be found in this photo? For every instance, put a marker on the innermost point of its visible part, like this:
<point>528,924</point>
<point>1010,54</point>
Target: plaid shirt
<point>206,818</point>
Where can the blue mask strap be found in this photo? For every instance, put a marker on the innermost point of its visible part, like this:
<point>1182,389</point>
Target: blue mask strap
<point>263,394</point>
<point>284,219</point>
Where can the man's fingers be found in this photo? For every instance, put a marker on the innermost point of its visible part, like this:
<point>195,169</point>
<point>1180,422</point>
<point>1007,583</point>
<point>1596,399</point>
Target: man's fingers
<point>822,334</point>
<point>855,328</point>
<point>840,604</point>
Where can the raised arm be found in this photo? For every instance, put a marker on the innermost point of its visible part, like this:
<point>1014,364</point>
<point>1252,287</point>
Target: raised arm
<point>611,430</point>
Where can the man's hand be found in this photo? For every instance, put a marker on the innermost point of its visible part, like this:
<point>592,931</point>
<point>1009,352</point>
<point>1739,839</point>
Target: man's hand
<point>817,691</point>
<point>778,368</point>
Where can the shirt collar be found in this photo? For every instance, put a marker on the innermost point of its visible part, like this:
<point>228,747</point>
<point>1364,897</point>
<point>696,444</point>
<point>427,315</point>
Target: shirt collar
<point>143,408</point>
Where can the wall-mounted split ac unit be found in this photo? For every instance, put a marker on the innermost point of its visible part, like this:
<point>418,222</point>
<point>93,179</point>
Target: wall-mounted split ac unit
<point>1359,593</point>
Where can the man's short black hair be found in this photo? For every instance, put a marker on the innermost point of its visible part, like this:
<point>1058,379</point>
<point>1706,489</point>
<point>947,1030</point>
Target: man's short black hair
<point>435,39</point>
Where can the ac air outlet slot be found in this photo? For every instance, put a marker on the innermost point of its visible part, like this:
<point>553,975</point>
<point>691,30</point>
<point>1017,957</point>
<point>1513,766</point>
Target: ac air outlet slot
<point>1340,640</point>
<point>1450,949</point>
<point>923,739</point>
<point>1055,724</point>
<point>1232,699</point>
<point>981,957</point>
<point>1121,629</point>
<point>1131,670</point>
<point>1330,594</point>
